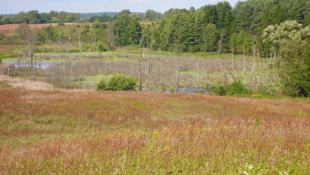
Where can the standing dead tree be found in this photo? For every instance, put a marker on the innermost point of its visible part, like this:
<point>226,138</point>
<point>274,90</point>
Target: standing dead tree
<point>148,73</point>
<point>139,79</point>
<point>178,69</point>
<point>29,37</point>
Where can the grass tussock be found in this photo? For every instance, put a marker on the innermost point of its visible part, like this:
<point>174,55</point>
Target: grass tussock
<point>88,132</point>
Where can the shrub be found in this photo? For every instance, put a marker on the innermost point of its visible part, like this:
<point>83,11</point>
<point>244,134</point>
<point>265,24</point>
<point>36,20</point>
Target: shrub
<point>2,36</point>
<point>217,89</point>
<point>268,91</point>
<point>236,88</point>
<point>4,41</point>
<point>38,43</point>
<point>171,89</point>
<point>61,24</point>
<point>102,85</point>
<point>117,83</point>
<point>18,42</point>
<point>101,48</point>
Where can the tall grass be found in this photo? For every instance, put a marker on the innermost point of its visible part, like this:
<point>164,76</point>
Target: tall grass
<point>88,132</point>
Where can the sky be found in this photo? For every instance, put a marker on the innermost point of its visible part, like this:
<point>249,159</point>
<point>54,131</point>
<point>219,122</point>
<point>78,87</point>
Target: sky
<point>87,6</point>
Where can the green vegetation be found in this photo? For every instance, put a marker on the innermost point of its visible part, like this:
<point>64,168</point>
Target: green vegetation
<point>236,88</point>
<point>291,41</point>
<point>117,83</point>
<point>127,30</point>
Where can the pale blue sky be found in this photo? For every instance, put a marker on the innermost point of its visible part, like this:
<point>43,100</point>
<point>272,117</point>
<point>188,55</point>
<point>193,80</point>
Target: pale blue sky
<point>83,6</point>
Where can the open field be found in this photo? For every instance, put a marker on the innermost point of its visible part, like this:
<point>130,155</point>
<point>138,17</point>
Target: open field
<point>89,132</point>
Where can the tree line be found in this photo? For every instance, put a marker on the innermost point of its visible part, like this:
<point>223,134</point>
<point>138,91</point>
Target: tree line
<point>222,28</point>
<point>34,17</point>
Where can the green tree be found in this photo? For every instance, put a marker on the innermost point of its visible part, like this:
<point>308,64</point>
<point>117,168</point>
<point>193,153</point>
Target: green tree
<point>293,65</point>
<point>146,36</point>
<point>34,17</point>
<point>210,37</point>
<point>127,30</point>
<point>96,24</point>
<point>50,33</point>
<point>152,15</point>
<point>6,20</point>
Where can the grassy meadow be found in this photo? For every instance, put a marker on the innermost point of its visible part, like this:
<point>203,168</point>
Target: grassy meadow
<point>91,132</point>
<point>82,131</point>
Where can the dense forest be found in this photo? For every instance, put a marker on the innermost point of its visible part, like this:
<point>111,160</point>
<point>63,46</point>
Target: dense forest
<point>221,27</point>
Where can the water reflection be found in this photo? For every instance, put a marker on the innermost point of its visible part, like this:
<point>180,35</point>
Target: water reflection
<point>39,65</point>
<point>192,90</point>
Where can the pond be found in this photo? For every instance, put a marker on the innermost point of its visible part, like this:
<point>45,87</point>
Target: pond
<point>39,65</point>
<point>191,90</point>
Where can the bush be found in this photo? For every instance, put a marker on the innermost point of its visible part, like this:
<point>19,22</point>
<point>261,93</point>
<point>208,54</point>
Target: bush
<point>102,85</point>
<point>217,89</point>
<point>38,43</point>
<point>61,24</point>
<point>268,91</point>
<point>18,42</point>
<point>101,48</point>
<point>117,83</point>
<point>171,89</point>
<point>236,88</point>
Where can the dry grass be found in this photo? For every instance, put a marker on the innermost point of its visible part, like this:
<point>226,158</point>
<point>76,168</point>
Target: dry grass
<point>15,82</point>
<point>89,132</point>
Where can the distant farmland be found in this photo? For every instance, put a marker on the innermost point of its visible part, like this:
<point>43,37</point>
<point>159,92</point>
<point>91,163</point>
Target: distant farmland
<point>9,28</point>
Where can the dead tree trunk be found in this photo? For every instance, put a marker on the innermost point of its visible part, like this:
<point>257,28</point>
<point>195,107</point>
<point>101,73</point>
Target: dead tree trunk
<point>30,52</point>
<point>253,69</point>
<point>68,47</point>
<point>148,74</point>
<point>80,46</point>
<point>139,70</point>
<point>261,72</point>
<point>177,79</point>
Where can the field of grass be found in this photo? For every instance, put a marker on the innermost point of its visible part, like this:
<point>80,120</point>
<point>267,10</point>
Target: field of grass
<point>90,132</point>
